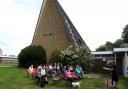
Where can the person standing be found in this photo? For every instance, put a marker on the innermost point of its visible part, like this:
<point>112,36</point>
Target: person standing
<point>115,76</point>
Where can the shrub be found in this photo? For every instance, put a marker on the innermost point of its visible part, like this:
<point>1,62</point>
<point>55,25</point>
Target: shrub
<point>32,55</point>
<point>75,55</point>
<point>55,57</point>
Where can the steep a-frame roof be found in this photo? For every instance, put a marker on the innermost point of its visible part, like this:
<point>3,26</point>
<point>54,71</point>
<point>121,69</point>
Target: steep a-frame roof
<point>54,30</point>
<point>69,27</point>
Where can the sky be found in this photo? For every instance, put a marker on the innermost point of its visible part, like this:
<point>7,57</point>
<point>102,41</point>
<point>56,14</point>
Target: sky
<point>97,21</point>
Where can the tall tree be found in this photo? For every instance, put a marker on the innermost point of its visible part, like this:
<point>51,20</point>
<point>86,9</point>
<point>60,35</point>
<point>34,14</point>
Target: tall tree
<point>101,48</point>
<point>118,43</point>
<point>125,34</point>
<point>109,46</point>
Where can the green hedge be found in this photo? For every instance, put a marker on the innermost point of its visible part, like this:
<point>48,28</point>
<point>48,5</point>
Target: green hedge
<point>32,55</point>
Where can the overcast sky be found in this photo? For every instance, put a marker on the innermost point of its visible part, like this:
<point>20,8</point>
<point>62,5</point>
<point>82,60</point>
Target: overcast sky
<point>97,21</point>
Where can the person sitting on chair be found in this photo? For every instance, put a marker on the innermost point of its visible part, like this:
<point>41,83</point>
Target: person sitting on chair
<point>41,76</point>
<point>78,71</point>
<point>68,75</point>
<point>30,71</point>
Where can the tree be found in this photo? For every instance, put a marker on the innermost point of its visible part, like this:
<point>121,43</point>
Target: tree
<point>107,47</point>
<point>32,55</point>
<point>118,43</point>
<point>125,34</point>
<point>101,48</point>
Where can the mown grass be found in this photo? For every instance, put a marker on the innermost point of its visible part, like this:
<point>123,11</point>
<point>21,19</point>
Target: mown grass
<point>16,78</point>
<point>123,83</point>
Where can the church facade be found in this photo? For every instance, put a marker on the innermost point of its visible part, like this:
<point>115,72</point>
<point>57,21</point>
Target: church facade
<point>54,30</point>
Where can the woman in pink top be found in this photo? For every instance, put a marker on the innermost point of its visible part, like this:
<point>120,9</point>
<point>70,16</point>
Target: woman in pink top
<point>68,75</point>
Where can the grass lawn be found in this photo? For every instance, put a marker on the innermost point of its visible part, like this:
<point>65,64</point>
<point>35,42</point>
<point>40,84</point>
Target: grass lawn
<point>123,83</point>
<point>16,78</point>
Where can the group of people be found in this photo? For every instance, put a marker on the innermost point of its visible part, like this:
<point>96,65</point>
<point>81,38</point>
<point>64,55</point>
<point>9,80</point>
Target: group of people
<point>73,73</point>
<point>38,73</point>
<point>57,69</point>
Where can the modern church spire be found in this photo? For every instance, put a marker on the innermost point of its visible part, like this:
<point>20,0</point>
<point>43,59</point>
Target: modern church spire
<point>54,30</point>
